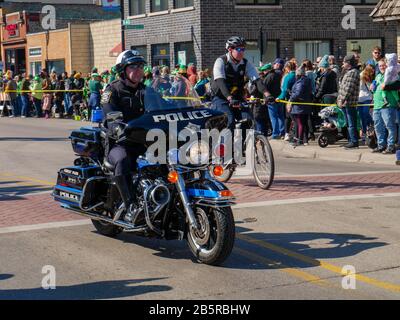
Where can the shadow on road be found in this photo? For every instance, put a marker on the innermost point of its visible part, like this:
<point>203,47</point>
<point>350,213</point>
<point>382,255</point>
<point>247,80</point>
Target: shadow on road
<point>9,191</point>
<point>32,139</point>
<point>85,291</point>
<point>312,245</point>
<point>296,185</point>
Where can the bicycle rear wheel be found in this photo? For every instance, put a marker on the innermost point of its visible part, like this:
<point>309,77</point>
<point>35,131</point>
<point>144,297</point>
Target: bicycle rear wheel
<point>263,162</point>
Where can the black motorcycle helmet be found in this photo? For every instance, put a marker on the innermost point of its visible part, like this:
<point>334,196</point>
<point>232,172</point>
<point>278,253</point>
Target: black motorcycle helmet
<point>234,42</point>
<point>127,58</point>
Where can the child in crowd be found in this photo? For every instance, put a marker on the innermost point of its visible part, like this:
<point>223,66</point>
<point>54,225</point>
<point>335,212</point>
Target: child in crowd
<point>391,74</point>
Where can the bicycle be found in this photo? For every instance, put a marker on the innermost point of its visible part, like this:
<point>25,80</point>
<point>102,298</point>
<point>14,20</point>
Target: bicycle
<point>262,157</point>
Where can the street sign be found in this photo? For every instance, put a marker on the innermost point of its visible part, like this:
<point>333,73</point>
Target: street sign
<point>135,26</point>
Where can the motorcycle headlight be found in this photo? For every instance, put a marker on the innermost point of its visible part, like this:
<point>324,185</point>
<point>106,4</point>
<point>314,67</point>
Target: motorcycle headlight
<point>199,153</point>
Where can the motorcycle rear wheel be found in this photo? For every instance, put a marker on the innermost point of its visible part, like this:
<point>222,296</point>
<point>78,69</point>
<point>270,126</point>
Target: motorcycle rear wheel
<point>213,244</point>
<point>105,228</point>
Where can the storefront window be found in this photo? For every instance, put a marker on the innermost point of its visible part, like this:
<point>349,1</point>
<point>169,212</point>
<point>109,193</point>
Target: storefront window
<point>57,66</point>
<point>253,54</point>
<point>15,60</point>
<point>183,3</point>
<point>311,49</point>
<point>137,7</point>
<point>159,5</point>
<point>184,53</point>
<point>364,47</point>
<point>160,55</point>
<point>35,68</point>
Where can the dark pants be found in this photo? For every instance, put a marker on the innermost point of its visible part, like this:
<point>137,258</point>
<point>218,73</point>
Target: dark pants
<point>302,127</point>
<point>365,115</point>
<point>351,118</point>
<point>222,105</point>
<point>25,106</point>
<point>277,116</point>
<point>124,158</point>
<point>38,107</point>
<point>94,100</point>
<point>67,103</point>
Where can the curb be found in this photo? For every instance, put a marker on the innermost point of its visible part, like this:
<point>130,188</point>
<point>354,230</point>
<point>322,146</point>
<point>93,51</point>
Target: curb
<point>331,153</point>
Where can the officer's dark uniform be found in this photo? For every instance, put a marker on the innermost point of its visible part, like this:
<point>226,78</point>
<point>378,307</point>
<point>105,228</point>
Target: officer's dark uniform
<point>130,101</point>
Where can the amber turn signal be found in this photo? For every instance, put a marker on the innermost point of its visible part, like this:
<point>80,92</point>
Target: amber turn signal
<point>218,171</point>
<point>226,193</point>
<point>173,177</point>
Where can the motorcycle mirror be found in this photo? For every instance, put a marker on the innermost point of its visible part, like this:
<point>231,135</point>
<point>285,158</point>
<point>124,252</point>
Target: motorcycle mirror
<point>115,115</point>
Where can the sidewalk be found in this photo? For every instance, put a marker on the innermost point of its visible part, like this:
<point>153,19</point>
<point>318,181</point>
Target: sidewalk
<point>331,153</point>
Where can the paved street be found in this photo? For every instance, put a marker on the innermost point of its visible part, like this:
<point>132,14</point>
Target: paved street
<point>292,241</point>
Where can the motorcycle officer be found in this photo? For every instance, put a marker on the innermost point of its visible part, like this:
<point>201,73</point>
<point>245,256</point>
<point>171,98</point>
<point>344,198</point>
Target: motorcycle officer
<point>230,71</point>
<point>127,96</point>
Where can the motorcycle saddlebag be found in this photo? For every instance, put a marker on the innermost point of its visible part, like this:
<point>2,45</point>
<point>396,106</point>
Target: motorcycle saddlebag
<point>86,142</point>
<point>70,183</point>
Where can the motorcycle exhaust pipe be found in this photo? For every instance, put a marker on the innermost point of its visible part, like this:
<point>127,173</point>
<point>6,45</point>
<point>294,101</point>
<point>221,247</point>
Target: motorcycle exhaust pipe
<point>126,226</point>
<point>160,196</point>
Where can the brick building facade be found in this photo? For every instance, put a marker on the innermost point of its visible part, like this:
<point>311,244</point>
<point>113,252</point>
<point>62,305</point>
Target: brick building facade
<point>18,20</point>
<point>306,28</point>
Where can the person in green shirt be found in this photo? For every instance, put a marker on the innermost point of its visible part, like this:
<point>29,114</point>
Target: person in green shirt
<point>385,107</point>
<point>37,96</point>
<point>95,88</point>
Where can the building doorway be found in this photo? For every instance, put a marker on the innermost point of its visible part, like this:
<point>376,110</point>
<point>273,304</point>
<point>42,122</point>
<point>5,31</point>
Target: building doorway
<point>16,60</point>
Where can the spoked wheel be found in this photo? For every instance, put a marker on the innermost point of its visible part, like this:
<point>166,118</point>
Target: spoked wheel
<point>229,170</point>
<point>263,162</point>
<point>213,243</point>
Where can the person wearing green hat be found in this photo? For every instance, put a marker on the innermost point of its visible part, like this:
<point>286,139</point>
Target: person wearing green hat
<point>35,86</point>
<point>265,67</point>
<point>95,88</point>
<point>148,76</point>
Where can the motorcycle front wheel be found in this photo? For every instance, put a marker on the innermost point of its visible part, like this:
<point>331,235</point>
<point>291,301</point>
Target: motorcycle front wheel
<point>213,243</point>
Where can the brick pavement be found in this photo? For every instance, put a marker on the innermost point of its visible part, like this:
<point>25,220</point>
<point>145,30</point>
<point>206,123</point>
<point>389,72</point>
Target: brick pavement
<point>35,209</point>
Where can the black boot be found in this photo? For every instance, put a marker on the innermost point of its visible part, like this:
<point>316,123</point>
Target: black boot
<point>121,182</point>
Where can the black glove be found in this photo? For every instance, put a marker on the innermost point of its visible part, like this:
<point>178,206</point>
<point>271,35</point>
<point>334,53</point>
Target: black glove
<point>270,99</point>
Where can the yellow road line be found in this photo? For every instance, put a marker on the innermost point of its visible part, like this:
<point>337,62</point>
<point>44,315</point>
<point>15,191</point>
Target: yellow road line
<point>42,182</point>
<point>318,263</point>
<point>281,267</point>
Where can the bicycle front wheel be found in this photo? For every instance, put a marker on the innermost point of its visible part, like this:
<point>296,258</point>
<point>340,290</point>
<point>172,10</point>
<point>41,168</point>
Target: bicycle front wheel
<point>263,162</point>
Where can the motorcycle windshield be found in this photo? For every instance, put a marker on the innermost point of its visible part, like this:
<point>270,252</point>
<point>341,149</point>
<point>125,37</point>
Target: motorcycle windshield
<point>170,94</point>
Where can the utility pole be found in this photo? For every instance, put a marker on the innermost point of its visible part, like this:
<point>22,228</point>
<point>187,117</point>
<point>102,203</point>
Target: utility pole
<point>122,27</point>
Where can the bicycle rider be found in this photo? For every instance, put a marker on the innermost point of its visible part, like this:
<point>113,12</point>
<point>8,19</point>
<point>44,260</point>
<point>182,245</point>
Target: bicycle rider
<point>230,73</point>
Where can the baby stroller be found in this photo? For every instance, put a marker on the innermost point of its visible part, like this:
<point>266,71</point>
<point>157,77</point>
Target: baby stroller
<point>334,127</point>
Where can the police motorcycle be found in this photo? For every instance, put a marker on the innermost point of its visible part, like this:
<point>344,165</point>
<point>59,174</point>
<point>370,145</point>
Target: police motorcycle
<point>178,199</point>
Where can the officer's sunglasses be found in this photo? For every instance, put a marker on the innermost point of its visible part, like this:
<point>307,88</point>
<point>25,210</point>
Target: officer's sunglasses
<point>240,49</point>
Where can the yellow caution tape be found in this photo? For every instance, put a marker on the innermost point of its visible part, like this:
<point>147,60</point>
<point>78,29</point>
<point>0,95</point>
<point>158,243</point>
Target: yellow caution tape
<point>319,104</point>
<point>181,98</point>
